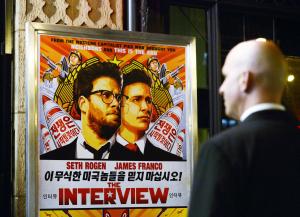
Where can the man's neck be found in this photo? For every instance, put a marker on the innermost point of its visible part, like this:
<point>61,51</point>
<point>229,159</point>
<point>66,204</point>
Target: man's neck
<point>129,135</point>
<point>91,138</point>
<point>260,107</point>
<point>258,97</point>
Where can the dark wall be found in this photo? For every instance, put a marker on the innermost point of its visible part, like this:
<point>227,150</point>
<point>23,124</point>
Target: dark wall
<point>5,129</point>
<point>6,120</point>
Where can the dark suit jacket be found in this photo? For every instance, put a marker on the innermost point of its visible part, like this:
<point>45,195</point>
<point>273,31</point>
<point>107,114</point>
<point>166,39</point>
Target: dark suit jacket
<point>117,152</point>
<point>151,153</point>
<point>250,170</point>
<point>66,152</point>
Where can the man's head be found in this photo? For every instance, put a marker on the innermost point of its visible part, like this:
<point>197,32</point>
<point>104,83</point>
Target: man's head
<point>153,64</point>
<point>97,94</point>
<point>74,58</point>
<point>254,73</point>
<point>136,106</point>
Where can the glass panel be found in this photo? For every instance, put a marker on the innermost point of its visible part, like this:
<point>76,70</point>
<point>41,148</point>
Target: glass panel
<point>292,94</point>
<point>190,21</point>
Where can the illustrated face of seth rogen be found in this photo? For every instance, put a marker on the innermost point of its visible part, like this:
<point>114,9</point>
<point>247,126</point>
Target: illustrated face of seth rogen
<point>136,106</point>
<point>99,102</point>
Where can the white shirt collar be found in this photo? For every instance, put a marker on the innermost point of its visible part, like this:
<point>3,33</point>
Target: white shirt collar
<point>140,143</point>
<point>260,107</point>
<point>83,153</point>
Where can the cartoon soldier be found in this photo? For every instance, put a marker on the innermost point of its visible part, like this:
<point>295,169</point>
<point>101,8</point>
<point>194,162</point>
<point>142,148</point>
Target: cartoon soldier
<point>158,70</point>
<point>153,65</point>
<point>75,60</point>
<point>61,69</point>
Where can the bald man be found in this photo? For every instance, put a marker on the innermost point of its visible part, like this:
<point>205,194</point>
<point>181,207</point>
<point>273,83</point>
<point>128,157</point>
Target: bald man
<point>253,169</point>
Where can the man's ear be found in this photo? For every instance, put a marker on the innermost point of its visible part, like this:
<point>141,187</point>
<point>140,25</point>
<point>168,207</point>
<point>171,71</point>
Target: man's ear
<point>83,104</point>
<point>246,81</point>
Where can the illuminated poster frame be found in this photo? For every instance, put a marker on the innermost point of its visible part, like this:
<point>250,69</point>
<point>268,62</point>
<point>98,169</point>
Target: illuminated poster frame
<point>74,184</point>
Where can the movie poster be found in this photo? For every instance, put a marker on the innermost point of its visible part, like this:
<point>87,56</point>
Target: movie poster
<point>112,128</point>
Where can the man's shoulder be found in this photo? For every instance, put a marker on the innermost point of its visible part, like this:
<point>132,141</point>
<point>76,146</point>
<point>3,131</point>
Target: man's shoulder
<point>241,131</point>
<point>228,134</point>
<point>230,142</point>
<point>262,130</point>
<point>66,152</point>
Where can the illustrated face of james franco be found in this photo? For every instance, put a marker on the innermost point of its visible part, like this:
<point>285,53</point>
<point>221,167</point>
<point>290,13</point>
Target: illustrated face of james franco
<point>137,108</point>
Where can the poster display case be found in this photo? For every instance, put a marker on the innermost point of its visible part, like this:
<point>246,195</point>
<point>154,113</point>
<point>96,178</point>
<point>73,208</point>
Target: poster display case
<point>111,122</point>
